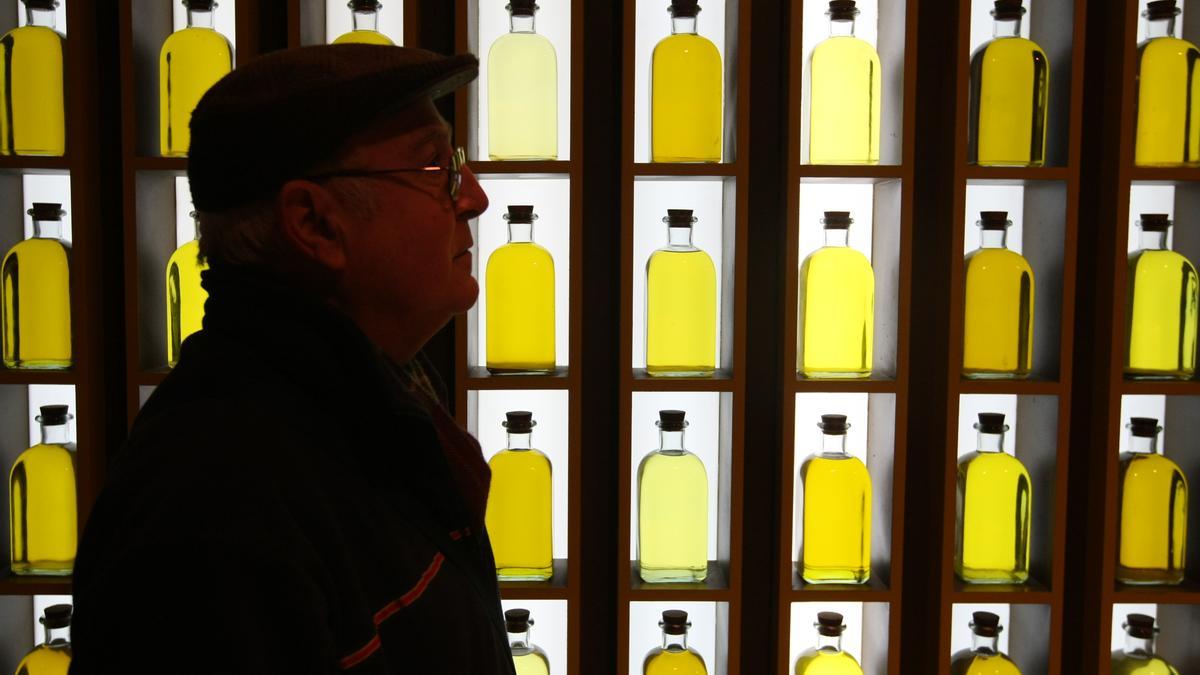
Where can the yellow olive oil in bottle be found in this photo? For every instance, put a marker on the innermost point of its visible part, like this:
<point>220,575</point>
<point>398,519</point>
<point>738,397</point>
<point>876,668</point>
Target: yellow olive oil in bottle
<point>519,509</point>
<point>845,94</point>
<point>1153,495</point>
<point>365,17</point>
<point>998,306</point>
<point>837,307</point>
<point>1009,80</point>
<point>42,500</point>
<point>995,500</point>
<point>528,658</point>
<point>837,511</point>
<point>520,301</point>
<point>191,61</point>
<point>674,657</point>
<point>827,657</point>
<point>52,657</point>
<point>1160,307</point>
<point>32,115</point>
<point>1168,91</point>
<point>984,657</point>
<point>681,304</point>
<point>37,296</point>
<point>522,90</point>
<point>185,295</point>
<point>685,92</point>
<point>1138,657</point>
<point>672,524</point>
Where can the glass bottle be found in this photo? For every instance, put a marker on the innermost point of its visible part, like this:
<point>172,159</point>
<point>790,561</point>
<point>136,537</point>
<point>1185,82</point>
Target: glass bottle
<point>52,657</point>
<point>685,92</point>
<point>675,657</point>
<point>984,657</point>
<point>1168,117</point>
<point>837,511</point>
<point>1160,310</point>
<point>672,527</point>
<point>528,658</point>
<point>185,295</point>
<point>837,307</point>
<point>37,295</point>
<point>365,17</point>
<point>520,301</point>
<point>1138,658</point>
<point>42,493</point>
<point>1009,80</point>
<point>998,306</point>
<point>32,113</point>
<point>519,509</point>
<point>522,90</point>
<point>995,499</point>
<point>1153,495</point>
<point>191,61</point>
<point>827,657</point>
<point>845,94</point>
<point>681,304</point>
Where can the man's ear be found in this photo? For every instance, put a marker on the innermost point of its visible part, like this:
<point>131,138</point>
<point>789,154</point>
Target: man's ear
<point>312,223</point>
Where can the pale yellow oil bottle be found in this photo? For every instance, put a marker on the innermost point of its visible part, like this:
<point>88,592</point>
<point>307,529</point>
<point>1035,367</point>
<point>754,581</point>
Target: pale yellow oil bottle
<point>528,658</point>
<point>995,503</point>
<point>827,657</point>
<point>522,91</point>
<point>845,94</point>
<point>520,301</point>
<point>836,307</point>
<point>43,520</point>
<point>997,306</point>
<point>1168,94</point>
<point>984,657</point>
<point>685,93</point>
<point>53,656</point>
<point>36,293</point>
<point>520,509</point>
<point>1009,97</point>
<point>681,304</point>
<point>191,61</point>
<point>185,297</point>
<point>1161,300</point>
<point>674,657</point>
<point>1153,503</point>
<point>672,507</point>
<point>837,511</point>
<point>1138,656</point>
<point>364,15</point>
<point>32,113</point>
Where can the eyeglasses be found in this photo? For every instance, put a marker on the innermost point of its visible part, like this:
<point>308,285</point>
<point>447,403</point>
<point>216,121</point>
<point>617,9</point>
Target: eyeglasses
<point>457,161</point>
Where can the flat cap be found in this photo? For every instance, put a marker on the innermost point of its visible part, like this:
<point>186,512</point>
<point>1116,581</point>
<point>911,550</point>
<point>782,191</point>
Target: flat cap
<point>283,114</point>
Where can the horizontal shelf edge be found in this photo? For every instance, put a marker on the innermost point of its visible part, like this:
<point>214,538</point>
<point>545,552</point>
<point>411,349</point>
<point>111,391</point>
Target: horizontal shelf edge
<point>873,173</point>
<point>804,385</point>
<point>478,378</point>
<point>12,584</point>
<point>144,163</point>
<point>668,170</point>
<point>26,377</point>
<point>724,380</point>
<point>1019,387</point>
<point>1017,173</point>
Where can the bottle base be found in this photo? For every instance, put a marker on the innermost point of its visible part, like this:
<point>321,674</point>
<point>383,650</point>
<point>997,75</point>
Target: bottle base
<point>525,573</point>
<point>843,577</point>
<point>38,364</point>
<point>835,374</point>
<point>1165,164</point>
<point>525,158</point>
<point>43,569</point>
<point>672,159</point>
<point>1146,374</point>
<point>992,577</point>
<point>679,371</point>
<point>520,370</point>
<point>977,374</point>
<point>830,161</point>
<point>1148,577</point>
<point>34,152</point>
<point>1010,163</point>
<point>672,576</point>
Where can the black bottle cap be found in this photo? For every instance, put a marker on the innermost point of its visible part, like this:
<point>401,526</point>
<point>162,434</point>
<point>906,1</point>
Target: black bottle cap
<point>684,8</point>
<point>991,423</point>
<point>679,218</point>
<point>1140,626</point>
<point>516,620</point>
<point>671,420</point>
<point>46,211</point>
<point>520,214</point>
<point>1143,427</point>
<point>199,5</point>
<point>41,4</point>
<point>365,5</point>
<point>519,421</point>
<point>1154,222</point>
<point>833,425</point>
<point>53,414</point>
<point>993,220</point>
<point>59,616</point>
<point>522,7</point>
<point>985,624</point>
<point>1008,9</point>
<point>1162,9</point>
<point>829,624</point>
<point>836,220</point>
<point>842,10</point>
<point>674,622</point>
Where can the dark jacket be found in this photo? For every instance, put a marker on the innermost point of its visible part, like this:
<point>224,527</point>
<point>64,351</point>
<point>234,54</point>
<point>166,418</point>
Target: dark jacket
<point>284,505</point>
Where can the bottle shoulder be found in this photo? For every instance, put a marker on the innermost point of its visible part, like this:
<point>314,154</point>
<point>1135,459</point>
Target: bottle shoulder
<point>681,255</point>
<point>839,256</point>
<point>982,258</point>
<point>690,43</point>
<point>1165,46</point>
<point>366,37</point>
<point>992,462</point>
<point>1165,258</point>
<point>846,462</point>
<point>1009,47</point>
<point>520,458</point>
<point>43,452</point>
<point>845,46</point>
<point>194,37</point>
<point>671,461</point>
<point>1148,461</point>
<point>35,34</point>
<point>530,253</point>
<point>522,41</point>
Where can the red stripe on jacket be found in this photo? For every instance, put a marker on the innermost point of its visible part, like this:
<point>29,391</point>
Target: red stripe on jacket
<point>363,653</point>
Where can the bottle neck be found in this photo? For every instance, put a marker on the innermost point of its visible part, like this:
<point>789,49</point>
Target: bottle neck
<point>195,229</point>
<point>518,642</point>
<point>683,25</point>
<point>993,238</point>
<point>1152,240</point>
<point>1143,445</point>
<point>1006,28</point>
<point>56,434</point>
<point>679,236</point>
<point>520,441</point>
<point>1142,648</point>
<point>58,637</point>
<point>674,643</point>
<point>841,28</point>
<point>43,18</point>
<point>200,18</point>
<point>837,237</point>
<point>833,444</point>
<point>1157,28</point>
<point>991,442</point>
<point>47,229</point>
<point>521,23</point>
<point>520,233</point>
<point>670,442</point>
<point>365,20</point>
<point>829,643</point>
<point>981,644</point>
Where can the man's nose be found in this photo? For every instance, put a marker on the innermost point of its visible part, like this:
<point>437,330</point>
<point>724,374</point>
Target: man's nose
<point>472,200</point>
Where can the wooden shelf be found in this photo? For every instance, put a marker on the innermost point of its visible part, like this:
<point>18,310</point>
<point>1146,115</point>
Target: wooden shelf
<point>1018,387</point>
<point>697,170</point>
<point>851,173</point>
<point>1016,174</point>
<point>478,377</point>
<point>1187,593</point>
<point>12,584</point>
<point>554,588</point>
<point>722,380</point>
<point>531,169</point>
<point>1160,387</point>
<point>715,586</point>
<point>871,385</point>
<point>152,378</point>
<point>1030,593</point>
<point>146,163</point>
<point>1165,174</point>
<point>875,590</point>
<point>26,377</point>
<point>34,164</point>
